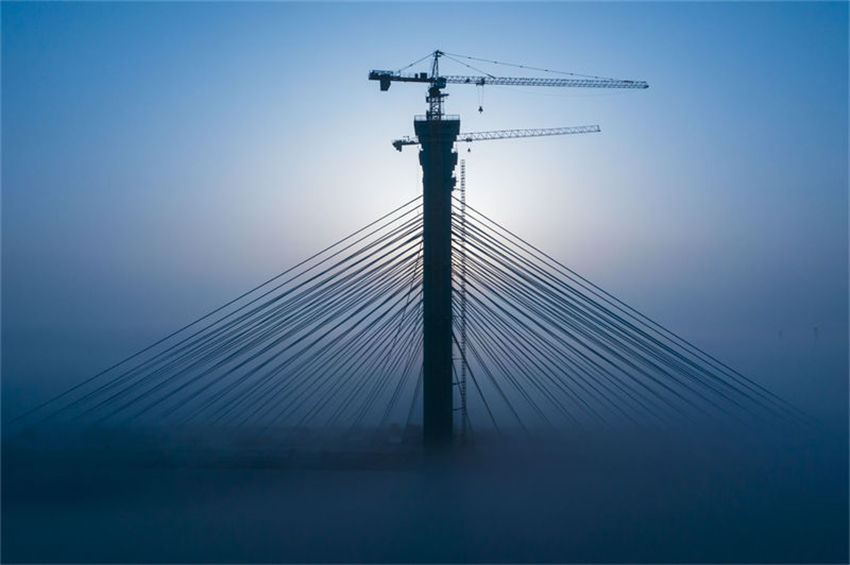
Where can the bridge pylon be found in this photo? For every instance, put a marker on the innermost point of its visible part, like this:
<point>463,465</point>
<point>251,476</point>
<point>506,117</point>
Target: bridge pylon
<point>437,134</point>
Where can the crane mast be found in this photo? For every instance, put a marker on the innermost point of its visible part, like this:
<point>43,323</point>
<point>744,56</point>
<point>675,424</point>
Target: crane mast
<point>436,134</point>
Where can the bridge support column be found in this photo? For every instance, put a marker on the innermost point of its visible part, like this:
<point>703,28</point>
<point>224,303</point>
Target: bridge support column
<point>438,160</point>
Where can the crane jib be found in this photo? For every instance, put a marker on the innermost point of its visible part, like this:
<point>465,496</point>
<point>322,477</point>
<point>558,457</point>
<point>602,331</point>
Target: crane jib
<point>505,134</point>
<point>553,82</point>
<point>386,77</point>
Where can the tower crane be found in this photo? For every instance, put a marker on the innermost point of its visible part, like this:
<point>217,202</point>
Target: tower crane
<point>504,134</point>
<point>438,82</point>
<point>436,133</point>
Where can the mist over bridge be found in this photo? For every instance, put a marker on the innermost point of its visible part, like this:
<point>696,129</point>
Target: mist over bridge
<point>335,342</point>
<point>432,317</point>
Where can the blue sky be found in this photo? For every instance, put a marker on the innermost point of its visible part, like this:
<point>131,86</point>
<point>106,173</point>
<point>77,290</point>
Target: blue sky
<point>159,158</point>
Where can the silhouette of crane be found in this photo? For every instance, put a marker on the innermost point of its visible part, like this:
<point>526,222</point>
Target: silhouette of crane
<point>436,133</point>
<point>438,82</point>
<point>504,134</point>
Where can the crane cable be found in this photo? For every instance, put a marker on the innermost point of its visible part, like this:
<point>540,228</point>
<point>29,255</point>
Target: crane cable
<point>469,66</point>
<point>416,62</point>
<point>492,61</point>
<point>523,67</point>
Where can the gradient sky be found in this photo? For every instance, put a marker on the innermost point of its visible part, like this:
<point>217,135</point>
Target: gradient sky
<point>160,158</point>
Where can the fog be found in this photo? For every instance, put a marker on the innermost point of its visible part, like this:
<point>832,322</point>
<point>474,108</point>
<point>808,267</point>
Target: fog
<point>709,495</point>
<point>159,159</point>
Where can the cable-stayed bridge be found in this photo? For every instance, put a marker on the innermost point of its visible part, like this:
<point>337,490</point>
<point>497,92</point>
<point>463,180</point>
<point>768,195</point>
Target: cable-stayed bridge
<point>336,343</point>
<point>435,317</point>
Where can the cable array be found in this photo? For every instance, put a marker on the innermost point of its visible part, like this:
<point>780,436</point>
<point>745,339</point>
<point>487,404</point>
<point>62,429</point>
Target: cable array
<point>334,342</point>
<point>547,348</point>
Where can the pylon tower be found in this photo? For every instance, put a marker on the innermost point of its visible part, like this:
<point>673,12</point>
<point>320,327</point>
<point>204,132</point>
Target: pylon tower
<point>437,134</point>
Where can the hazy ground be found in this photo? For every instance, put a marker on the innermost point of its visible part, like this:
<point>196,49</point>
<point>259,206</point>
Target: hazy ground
<point>588,497</point>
